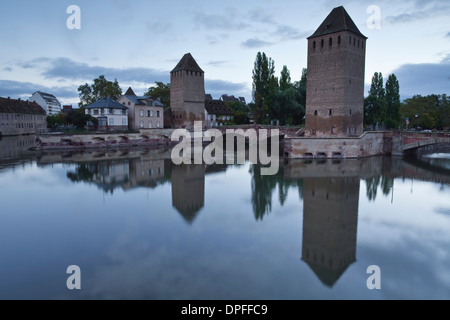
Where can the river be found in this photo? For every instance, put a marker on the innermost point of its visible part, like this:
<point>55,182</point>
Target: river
<point>140,227</point>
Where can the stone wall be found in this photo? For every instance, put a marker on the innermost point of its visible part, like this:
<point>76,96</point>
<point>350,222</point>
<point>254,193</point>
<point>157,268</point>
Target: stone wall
<point>369,144</point>
<point>148,137</point>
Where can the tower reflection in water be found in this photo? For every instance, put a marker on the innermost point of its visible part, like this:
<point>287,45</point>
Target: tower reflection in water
<point>330,222</point>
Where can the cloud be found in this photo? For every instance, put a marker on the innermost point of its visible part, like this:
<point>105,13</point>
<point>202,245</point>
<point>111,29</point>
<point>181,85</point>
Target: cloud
<point>221,22</point>
<point>255,43</point>
<point>424,79</point>
<point>63,68</point>
<point>258,15</point>
<point>16,89</point>
<point>289,33</point>
<point>432,12</point>
<point>7,69</point>
<point>447,35</point>
<point>216,63</point>
<point>219,87</point>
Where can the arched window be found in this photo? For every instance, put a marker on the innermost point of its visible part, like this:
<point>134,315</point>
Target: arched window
<point>322,43</point>
<point>339,41</point>
<point>330,42</point>
<point>314,45</point>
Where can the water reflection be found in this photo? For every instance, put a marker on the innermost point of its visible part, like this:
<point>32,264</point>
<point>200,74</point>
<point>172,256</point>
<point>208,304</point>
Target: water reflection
<point>328,195</point>
<point>330,221</point>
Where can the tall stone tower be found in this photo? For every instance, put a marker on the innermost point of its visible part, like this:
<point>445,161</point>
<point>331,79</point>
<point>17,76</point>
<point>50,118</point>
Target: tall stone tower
<point>336,67</point>
<point>187,93</point>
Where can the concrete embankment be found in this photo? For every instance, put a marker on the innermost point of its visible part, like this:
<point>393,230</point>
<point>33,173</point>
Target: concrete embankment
<point>153,137</point>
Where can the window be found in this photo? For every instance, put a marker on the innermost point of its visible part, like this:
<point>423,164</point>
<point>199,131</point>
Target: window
<point>330,112</point>
<point>141,113</point>
<point>111,122</point>
<point>148,113</point>
<point>95,111</point>
<point>330,42</point>
<point>150,125</point>
<point>124,121</point>
<point>111,111</point>
<point>141,124</point>
<point>103,111</point>
<point>129,103</point>
<point>350,111</point>
<point>151,113</point>
<point>314,45</point>
<point>339,40</point>
<point>158,114</point>
<point>124,112</point>
<point>150,103</point>
<point>322,43</point>
<point>158,124</point>
<point>316,112</point>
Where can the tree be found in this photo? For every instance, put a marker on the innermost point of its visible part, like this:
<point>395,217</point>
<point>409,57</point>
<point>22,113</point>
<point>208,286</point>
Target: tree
<point>78,118</point>
<point>375,103</point>
<point>55,120</point>
<point>241,117</point>
<point>393,118</point>
<point>101,88</point>
<point>264,86</point>
<point>161,92</point>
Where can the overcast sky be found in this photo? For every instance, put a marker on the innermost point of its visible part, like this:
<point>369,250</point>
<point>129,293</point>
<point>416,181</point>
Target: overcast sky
<point>140,42</point>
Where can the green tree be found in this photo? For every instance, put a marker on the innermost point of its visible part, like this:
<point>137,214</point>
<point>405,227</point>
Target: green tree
<point>264,86</point>
<point>161,92</point>
<point>78,118</point>
<point>375,103</point>
<point>55,120</point>
<point>393,118</point>
<point>101,88</point>
<point>241,117</point>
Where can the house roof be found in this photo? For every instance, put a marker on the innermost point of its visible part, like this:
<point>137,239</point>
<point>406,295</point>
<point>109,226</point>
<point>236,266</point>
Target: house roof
<point>47,96</point>
<point>139,101</point>
<point>106,103</point>
<point>338,20</point>
<point>218,107</point>
<point>129,92</point>
<point>8,105</point>
<point>187,63</point>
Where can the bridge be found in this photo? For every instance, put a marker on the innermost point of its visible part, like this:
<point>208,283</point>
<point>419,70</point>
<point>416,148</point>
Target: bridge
<point>407,143</point>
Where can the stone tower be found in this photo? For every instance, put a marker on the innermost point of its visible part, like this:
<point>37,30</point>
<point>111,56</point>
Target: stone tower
<point>187,93</point>
<point>336,67</point>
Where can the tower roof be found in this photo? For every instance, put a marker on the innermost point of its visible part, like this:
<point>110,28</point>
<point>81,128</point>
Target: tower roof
<point>187,63</point>
<point>338,20</point>
<point>129,92</point>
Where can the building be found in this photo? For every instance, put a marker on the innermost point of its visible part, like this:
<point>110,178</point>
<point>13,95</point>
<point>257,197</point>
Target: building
<point>336,67</point>
<point>47,101</point>
<point>187,93</point>
<point>143,112</point>
<point>228,98</point>
<point>110,114</point>
<point>18,117</point>
<point>67,109</point>
<point>218,114</point>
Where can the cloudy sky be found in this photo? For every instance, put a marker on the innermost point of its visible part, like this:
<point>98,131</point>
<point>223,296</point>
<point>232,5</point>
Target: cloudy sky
<point>140,42</point>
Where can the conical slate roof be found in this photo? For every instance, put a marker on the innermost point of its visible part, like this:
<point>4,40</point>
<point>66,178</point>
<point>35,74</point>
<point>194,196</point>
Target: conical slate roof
<point>338,20</point>
<point>129,92</point>
<point>187,63</point>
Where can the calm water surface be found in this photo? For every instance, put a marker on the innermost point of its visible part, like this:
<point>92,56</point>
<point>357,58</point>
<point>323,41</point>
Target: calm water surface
<point>140,227</point>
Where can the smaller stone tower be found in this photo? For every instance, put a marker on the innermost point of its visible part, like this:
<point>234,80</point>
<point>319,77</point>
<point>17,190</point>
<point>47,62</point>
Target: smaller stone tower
<point>187,93</point>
